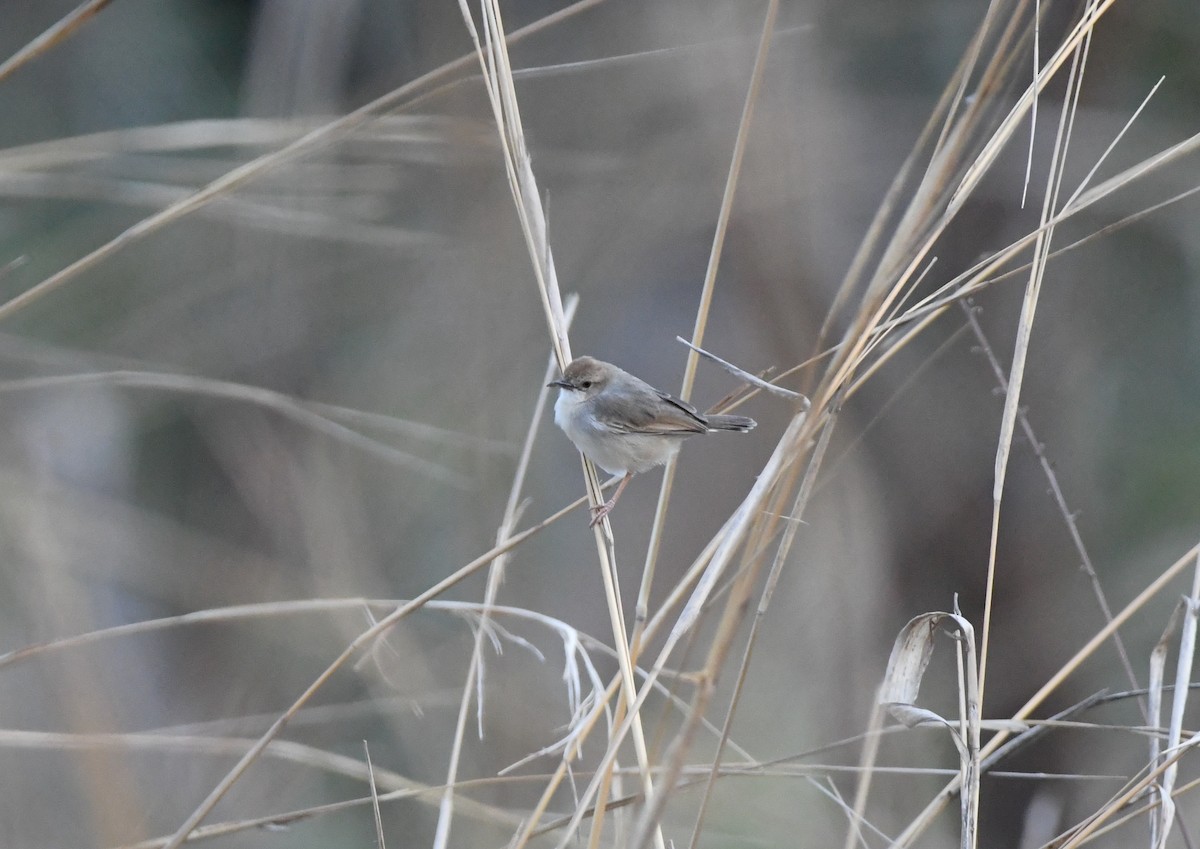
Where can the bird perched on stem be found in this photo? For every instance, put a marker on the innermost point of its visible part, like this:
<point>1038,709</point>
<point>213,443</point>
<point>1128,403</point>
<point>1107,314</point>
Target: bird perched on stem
<point>623,424</point>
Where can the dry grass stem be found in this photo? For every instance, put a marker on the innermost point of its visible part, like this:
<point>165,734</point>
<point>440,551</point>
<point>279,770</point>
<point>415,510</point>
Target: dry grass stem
<point>166,485</point>
<point>1060,500</point>
<point>494,63</point>
<point>374,798</point>
<point>781,556</point>
<point>1160,825</point>
<point>704,308</point>
<point>922,821</point>
<point>363,640</point>
<point>743,375</point>
<point>702,314</point>
<point>321,418</point>
<point>475,677</point>
<point>243,174</point>
<point>51,38</point>
<point>1016,375</point>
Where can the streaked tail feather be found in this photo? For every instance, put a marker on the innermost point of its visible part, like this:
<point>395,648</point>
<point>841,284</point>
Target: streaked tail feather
<point>738,423</point>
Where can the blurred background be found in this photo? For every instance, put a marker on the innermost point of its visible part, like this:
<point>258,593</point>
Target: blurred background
<point>185,426</point>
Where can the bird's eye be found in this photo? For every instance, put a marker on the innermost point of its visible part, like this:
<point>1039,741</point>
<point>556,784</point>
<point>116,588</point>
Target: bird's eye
<point>585,384</point>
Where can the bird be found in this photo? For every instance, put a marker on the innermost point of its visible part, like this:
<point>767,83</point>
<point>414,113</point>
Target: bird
<point>623,424</point>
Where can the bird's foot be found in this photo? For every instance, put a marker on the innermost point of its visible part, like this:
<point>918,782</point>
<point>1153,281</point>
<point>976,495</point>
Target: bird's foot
<point>600,512</point>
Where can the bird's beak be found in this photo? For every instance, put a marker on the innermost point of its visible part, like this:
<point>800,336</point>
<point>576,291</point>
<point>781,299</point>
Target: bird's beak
<point>561,384</point>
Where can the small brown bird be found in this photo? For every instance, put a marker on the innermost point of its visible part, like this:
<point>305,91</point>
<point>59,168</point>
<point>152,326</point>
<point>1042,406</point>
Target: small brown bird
<point>623,424</point>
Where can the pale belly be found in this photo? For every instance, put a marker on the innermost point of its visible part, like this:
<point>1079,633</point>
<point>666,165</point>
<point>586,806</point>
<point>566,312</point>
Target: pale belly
<point>616,453</point>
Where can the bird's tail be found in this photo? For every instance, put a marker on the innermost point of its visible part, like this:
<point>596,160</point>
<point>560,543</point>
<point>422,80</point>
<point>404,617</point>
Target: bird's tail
<point>738,423</point>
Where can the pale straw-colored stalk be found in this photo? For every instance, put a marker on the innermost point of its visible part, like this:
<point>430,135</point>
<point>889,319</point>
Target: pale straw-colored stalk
<point>494,64</point>
<point>362,641</point>
<point>474,676</point>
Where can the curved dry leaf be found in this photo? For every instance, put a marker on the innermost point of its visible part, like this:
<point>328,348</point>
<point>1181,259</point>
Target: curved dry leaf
<point>912,716</point>
<point>911,654</point>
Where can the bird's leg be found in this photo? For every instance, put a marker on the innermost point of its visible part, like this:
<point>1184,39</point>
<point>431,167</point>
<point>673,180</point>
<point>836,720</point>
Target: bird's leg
<point>603,510</point>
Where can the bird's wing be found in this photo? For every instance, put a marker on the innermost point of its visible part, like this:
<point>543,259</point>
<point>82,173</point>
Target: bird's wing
<point>645,412</point>
<point>687,410</point>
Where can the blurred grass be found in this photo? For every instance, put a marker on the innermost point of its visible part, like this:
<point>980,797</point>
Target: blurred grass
<point>386,273</point>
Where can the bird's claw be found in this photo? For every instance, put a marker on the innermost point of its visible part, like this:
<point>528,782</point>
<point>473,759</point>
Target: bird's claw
<point>599,513</point>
